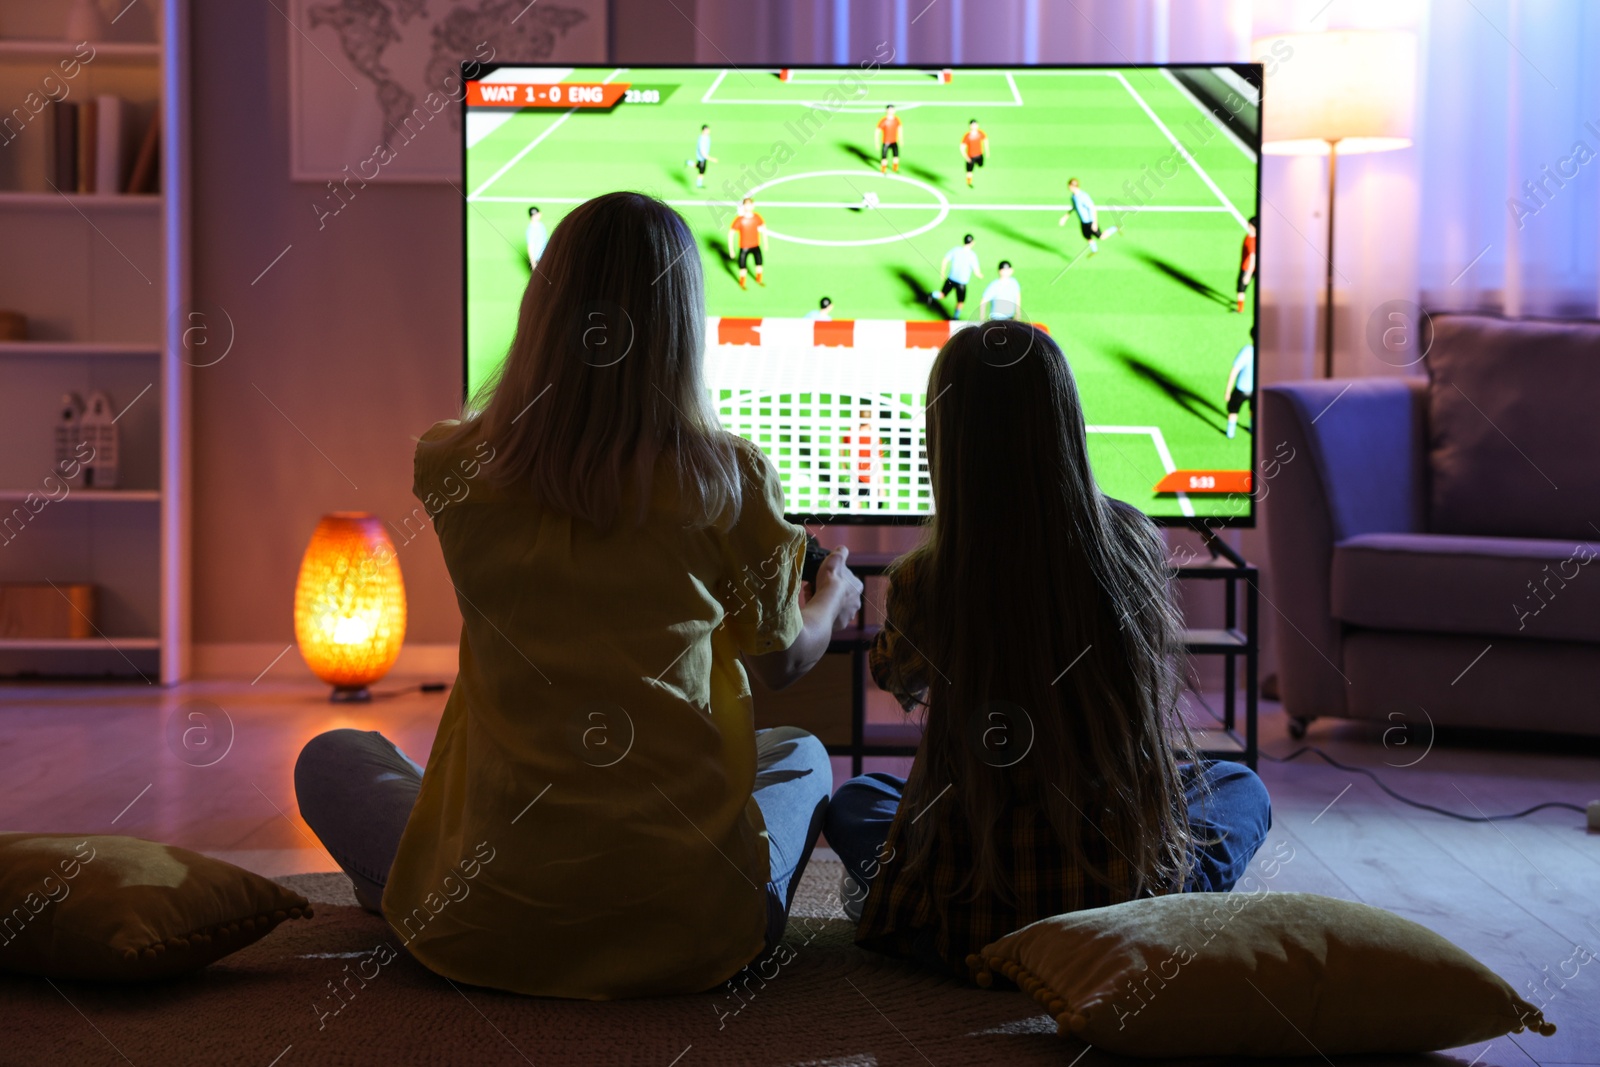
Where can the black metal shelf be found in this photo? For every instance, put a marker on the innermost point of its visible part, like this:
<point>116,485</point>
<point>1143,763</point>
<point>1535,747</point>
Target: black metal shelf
<point>1228,642</point>
<point>1231,641</point>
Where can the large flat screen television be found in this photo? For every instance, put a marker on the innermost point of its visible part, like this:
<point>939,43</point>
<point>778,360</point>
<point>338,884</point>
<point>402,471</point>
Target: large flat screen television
<point>1136,270</point>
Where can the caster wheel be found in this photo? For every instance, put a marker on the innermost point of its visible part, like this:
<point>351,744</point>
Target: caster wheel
<point>1297,728</point>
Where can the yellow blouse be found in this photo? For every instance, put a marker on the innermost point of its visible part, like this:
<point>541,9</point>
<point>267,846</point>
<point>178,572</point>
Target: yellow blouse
<point>585,826</point>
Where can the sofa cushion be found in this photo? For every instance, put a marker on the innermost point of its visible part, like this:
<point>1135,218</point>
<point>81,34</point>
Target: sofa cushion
<point>1440,583</point>
<point>1511,425</point>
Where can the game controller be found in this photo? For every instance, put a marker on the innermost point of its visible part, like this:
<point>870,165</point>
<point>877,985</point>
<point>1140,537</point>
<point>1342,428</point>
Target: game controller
<point>815,554</point>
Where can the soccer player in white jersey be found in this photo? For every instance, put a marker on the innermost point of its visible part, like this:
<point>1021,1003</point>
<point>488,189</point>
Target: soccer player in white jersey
<point>959,267</point>
<point>536,236</point>
<point>1088,216</point>
<point>1002,298</point>
<point>702,156</point>
<point>1241,382</point>
<point>823,312</point>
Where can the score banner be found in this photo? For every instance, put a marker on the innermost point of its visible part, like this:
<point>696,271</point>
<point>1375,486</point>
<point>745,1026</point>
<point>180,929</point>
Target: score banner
<point>1205,482</point>
<point>545,94</point>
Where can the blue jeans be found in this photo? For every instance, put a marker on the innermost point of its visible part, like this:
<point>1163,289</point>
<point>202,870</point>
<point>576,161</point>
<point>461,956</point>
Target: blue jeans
<point>1231,823</point>
<point>356,790</point>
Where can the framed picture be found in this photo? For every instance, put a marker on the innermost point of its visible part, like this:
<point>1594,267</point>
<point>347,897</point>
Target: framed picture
<point>375,85</point>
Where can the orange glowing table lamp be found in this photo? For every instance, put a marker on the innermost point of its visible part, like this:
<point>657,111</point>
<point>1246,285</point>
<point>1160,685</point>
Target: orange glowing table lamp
<point>350,604</point>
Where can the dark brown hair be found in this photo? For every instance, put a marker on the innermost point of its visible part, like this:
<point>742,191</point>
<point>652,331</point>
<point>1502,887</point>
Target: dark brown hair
<point>1042,607</point>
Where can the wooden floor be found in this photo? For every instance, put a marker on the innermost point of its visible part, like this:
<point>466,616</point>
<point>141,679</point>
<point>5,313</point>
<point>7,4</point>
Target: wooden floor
<point>209,766</point>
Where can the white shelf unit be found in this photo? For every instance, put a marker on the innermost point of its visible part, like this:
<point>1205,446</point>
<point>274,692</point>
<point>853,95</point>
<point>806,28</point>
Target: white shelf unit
<point>52,200</point>
<point>88,496</point>
<point>66,349</point>
<point>112,645</point>
<point>104,281</point>
<point>134,52</point>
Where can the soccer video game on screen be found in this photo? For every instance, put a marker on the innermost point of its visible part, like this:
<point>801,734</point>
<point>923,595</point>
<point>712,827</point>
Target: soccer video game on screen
<point>851,218</point>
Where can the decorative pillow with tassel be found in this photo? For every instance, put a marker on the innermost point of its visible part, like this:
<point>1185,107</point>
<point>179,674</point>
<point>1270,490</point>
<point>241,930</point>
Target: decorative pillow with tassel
<point>87,906</point>
<point>1274,974</point>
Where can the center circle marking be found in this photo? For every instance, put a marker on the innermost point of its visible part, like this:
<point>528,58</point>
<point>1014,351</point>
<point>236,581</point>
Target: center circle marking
<point>943,205</point>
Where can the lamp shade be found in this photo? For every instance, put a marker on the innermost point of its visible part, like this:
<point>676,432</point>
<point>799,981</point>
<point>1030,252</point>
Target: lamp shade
<point>350,602</point>
<point>1356,87</point>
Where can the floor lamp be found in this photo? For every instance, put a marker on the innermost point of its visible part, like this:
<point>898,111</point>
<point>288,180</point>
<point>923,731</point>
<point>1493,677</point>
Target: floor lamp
<point>1337,93</point>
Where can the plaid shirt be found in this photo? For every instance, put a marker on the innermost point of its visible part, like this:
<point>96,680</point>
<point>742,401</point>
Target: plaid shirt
<point>899,911</point>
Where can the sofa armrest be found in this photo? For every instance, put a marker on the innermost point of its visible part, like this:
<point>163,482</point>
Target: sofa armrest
<point>1367,440</point>
<point>1349,458</point>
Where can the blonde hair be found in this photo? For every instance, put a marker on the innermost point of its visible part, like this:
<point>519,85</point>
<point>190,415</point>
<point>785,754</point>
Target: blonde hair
<point>603,381</point>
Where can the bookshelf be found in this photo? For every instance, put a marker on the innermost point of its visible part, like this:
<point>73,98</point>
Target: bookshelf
<point>139,52</point>
<point>20,349</point>
<point>90,496</point>
<point>80,644</point>
<point>80,202</point>
<point>103,279</point>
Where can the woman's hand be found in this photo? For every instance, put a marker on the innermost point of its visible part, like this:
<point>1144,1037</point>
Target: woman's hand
<point>831,607</point>
<point>835,580</point>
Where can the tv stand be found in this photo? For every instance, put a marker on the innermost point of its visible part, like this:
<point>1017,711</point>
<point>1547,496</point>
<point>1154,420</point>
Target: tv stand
<point>1217,546</point>
<point>1227,741</point>
<point>1224,563</point>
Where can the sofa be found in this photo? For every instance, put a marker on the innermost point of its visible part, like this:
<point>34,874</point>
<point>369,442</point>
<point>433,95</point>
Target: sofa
<point>1433,540</point>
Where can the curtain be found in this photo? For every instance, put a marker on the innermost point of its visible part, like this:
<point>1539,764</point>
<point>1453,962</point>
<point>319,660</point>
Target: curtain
<point>1510,152</point>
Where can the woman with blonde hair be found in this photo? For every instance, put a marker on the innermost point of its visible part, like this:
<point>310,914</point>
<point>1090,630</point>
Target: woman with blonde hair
<point>598,817</point>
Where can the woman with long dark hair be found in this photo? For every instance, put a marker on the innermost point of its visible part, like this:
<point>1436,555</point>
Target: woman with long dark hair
<point>1034,629</point>
<point>599,817</point>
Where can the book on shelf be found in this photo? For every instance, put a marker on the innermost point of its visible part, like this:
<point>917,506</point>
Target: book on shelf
<point>64,150</point>
<point>88,141</point>
<point>92,147</point>
<point>111,149</point>
<point>143,177</point>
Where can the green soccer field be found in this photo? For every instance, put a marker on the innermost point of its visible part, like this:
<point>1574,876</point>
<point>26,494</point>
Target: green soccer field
<point>1147,323</point>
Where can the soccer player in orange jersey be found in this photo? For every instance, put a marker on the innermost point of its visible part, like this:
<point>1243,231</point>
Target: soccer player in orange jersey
<point>974,146</point>
<point>747,236</point>
<point>865,452</point>
<point>887,138</point>
<point>1247,261</point>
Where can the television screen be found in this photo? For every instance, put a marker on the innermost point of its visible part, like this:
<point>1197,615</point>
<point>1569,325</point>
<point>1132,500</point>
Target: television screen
<point>851,218</point>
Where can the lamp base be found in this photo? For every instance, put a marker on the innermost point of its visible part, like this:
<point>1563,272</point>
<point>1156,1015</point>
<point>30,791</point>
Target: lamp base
<point>350,694</point>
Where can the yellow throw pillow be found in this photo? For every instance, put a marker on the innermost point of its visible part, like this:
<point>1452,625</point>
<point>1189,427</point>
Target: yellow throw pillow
<point>120,909</point>
<point>1274,974</point>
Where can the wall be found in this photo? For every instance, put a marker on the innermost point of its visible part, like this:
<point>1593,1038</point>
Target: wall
<point>343,350</point>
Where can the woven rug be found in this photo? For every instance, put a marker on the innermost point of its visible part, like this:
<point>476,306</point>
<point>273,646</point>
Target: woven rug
<point>273,1005</point>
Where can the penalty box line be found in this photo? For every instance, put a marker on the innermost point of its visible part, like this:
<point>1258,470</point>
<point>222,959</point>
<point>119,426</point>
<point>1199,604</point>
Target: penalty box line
<point>477,193</point>
<point>1164,453</point>
<point>1182,150</point>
